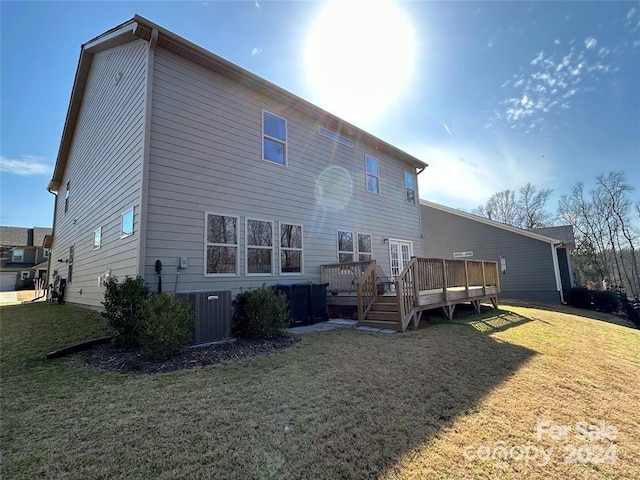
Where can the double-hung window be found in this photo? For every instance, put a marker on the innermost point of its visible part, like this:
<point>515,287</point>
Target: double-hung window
<point>291,254</point>
<point>410,187</point>
<point>17,255</point>
<point>345,246</point>
<point>259,247</point>
<point>274,138</point>
<point>372,174</point>
<point>364,247</point>
<point>221,246</point>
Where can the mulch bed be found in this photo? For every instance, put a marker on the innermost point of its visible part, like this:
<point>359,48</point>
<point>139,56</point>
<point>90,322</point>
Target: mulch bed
<point>126,360</point>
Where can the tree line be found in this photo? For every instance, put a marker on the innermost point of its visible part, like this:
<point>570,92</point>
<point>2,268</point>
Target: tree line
<point>605,223</point>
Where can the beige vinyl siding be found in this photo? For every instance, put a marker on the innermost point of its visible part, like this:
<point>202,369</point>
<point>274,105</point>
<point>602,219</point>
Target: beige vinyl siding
<point>530,269</point>
<point>104,171</point>
<point>206,155</point>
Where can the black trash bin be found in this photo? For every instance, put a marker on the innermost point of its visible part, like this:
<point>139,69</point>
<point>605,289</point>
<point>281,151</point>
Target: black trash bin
<point>318,302</point>
<point>297,298</point>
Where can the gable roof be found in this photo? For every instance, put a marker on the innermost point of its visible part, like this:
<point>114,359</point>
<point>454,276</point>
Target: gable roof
<point>141,28</point>
<point>23,236</point>
<point>493,223</point>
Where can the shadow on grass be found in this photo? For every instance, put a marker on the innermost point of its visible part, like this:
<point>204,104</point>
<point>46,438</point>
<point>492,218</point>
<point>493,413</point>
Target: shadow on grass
<point>580,312</point>
<point>340,404</point>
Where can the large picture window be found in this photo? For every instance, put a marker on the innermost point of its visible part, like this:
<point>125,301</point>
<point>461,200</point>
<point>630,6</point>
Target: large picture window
<point>259,247</point>
<point>345,246</point>
<point>291,254</point>
<point>274,138</point>
<point>221,244</point>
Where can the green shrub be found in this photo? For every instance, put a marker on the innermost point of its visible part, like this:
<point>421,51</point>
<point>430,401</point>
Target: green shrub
<point>606,300</point>
<point>168,326</point>
<point>580,297</point>
<point>124,308</point>
<point>260,313</point>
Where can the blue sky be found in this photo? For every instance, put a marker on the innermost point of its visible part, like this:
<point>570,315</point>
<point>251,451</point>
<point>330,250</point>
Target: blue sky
<point>491,94</point>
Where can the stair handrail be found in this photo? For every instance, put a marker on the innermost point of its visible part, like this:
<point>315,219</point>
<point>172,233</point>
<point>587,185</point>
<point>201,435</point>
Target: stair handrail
<point>367,287</point>
<point>406,294</point>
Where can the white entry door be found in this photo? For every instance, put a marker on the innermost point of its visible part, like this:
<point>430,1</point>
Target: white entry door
<point>401,253</point>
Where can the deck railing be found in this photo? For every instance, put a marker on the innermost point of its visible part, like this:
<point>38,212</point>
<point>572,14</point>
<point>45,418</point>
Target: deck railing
<point>367,290</point>
<point>343,277</point>
<point>407,293</point>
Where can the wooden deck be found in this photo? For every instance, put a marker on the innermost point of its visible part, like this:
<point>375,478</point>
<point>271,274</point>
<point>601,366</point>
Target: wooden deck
<point>426,283</point>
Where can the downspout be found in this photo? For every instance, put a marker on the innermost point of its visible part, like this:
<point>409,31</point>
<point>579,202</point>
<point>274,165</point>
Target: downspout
<point>144,188</point>
<point>53,230</point>
<point>556,269</point>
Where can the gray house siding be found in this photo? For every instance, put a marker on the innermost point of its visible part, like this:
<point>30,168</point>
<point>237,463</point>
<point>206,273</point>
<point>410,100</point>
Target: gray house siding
<point>206,156</point>
<point>530,270</point>
<point>104,172</point>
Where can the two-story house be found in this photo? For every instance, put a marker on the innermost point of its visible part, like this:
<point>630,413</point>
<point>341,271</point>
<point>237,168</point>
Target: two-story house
<point>173,156</point>
<point>23,255</point>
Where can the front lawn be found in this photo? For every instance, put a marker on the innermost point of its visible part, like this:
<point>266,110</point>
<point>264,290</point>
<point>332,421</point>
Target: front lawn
<point>340,404</point>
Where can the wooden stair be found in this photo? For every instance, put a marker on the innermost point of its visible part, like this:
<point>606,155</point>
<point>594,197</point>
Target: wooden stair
<point>383,314</point>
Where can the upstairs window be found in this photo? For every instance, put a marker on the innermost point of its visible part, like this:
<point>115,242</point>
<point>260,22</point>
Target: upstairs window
<point>221,245</point>
<point>345,246</point>
<point>66,197</point>
<point>334,136</point>
<point>97,238</point>
<point>372,174</point>
<point>274,138</point>
<point>45,253</point>
<point>290,248</point>
<point>364,247</point>
<point>18,255</point>
<point>410,187</point>
<point>127,223</point>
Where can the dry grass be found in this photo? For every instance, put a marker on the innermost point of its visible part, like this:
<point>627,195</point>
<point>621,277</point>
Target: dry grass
<point>340,404</point>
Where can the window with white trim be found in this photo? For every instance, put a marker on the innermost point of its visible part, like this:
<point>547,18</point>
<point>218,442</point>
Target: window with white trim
<point>66,197</point>
<point>291,253</point>
<point>372,174</point>
<point>127,223</point>
<point>17,255</point>
<point>335,136</point>
<point>259,239</point>
<point>410,187</point>
<point>45,253</point>
<point>97,238</point>
<point>364,247</point>
<point>345,246</point>
<point>274,138</point>
<point>24,275</point>
<point>221,246</point>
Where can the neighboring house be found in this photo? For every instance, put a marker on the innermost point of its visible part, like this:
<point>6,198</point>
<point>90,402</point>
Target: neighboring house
<point>535,265</point>
<point>170,153</point>
<point>22,250</point>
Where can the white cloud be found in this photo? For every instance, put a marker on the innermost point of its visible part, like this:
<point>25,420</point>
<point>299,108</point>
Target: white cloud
<point>538,58</point>
<point>25,166</point>
<point>256,4</point>
<point>556,42</point>
<point>590,43</point>
<point>256,51</point>
<point>446,127</point>
<point>631,13</point>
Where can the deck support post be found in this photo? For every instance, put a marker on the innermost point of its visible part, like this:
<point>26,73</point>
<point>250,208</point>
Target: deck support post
<point>448,311</point>
<point>476,305</point>
<point>444,279</point>
<point>484,281</point>
<point>494,302</point>
<point>466,277</point>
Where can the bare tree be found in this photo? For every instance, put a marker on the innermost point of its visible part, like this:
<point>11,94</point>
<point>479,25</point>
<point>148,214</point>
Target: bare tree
<point>501,207</point>
<point>527,210</point>
<point>605,234</point>
<point>532,205</point>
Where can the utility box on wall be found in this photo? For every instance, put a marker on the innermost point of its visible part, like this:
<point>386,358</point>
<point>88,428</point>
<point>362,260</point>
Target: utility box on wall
<point>213,311</point>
